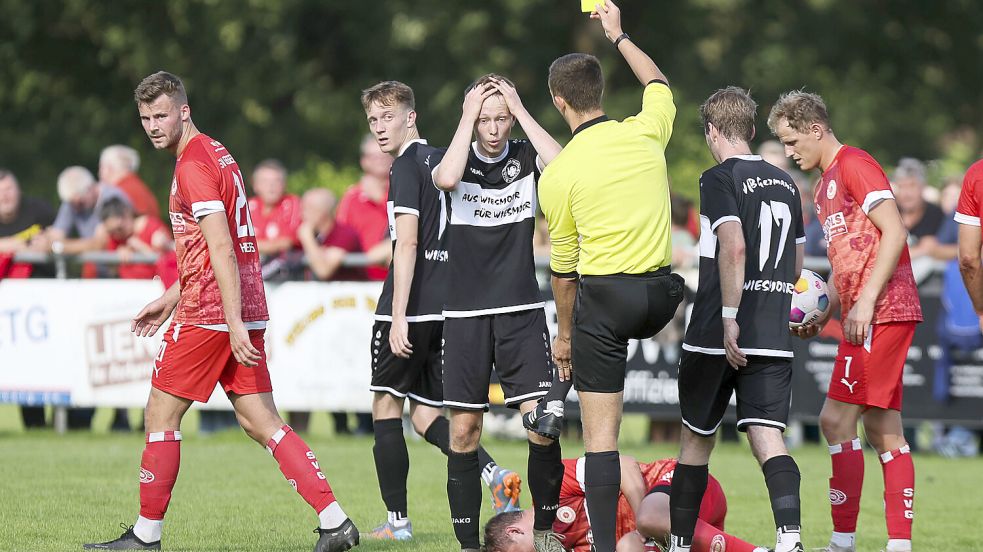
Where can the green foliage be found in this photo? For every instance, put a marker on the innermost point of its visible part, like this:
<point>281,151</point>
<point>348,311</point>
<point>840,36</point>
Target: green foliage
<point>322,174</point>
<point>281,78</point>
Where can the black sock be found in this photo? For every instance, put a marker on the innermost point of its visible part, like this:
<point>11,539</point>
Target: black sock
<point>689,484</point>
<point>559,390</point>
<point>439,435</point>
<point>392,463</point>
<point>602,483</point>
<point>545,470</point>
<point>464,496</point>
<point>782,478</point>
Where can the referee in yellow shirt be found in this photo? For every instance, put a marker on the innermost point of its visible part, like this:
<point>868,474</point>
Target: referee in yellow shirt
<point>606,199</point>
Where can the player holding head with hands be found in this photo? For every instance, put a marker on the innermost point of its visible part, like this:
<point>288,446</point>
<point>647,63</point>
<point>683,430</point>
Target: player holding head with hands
<point>217,333</point>
<point>872,280</point>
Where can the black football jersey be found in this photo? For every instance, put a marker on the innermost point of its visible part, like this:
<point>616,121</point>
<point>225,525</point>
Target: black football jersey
<point>412,191</point>
<point>764,199</point>
<point>492,221</point>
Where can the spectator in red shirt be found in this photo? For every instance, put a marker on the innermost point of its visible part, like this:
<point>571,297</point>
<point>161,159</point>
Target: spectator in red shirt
<point>363,208</point>
<point>275,213</point>
<point>124,231</point>
<point>325,240</point>
<point>118,166</point>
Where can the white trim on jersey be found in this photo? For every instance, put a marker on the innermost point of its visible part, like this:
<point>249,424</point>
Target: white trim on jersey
<point>466,406</point>
<point>761,421</point>
<point>254,325</point>
<point>874,198</point>
<point>757,352</point>
<point>525,397</point>
<point>721,220</point>
<point>503,155</point>
<point>390,390</point>
<point>963,218</point>
<point>496,310</point>
<point>414,318</point>
<point>800,241</point>
<point>406,210</point>
<point>407,145</point>
<point>695,429</point>
<point>539,163</point>
<point>747,157</point>
<point>201,208</point>
<point>419,399</point>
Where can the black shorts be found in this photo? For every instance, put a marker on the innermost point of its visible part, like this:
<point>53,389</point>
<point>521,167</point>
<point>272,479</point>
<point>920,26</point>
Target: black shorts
<point>417,377</point>
<point>517,344</point>
<point>609,311</point>
<point>706,382</point>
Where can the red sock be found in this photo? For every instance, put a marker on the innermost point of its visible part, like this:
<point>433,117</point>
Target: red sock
<point>300,467</point>
<point>846,484</point>
<point>158,472</point>
<point>708,538</point>
<point>899,492</point>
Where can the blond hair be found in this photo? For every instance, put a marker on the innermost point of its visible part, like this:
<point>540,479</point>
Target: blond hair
<point>389,93</point>
<point>731,111</point>
<point>800,109</point>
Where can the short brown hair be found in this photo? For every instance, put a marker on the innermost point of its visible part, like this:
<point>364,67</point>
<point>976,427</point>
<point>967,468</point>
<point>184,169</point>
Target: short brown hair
<point>800,109</point>
<point>577,78</point>
<point>485,79</point>
<point>388,93</point>
<point>731,110</point>
<point>158,84</point>
<point>496,537</point>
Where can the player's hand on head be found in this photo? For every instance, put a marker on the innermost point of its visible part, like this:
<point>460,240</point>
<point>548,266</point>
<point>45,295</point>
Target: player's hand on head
<point>512,100</point>
<point>474,98</point>
<point>610,17</point>
<point>735,357</point>
<point>399,338</point>
<point>562,355</point>
<point>242,347</point>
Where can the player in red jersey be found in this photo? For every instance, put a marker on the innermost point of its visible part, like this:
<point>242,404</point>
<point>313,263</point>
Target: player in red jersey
<point>873,281</point>
<point>217,334</point>
<point>643,514</point>
<point>968,214</point>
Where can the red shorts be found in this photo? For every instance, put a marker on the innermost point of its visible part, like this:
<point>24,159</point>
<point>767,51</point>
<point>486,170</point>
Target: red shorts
<point>870,374</point>
<point>191,360</point>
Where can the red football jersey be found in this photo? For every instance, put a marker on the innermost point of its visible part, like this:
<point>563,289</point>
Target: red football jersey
<point>971,196</point>
<point>849,188</point>
<point>369,219</point>
<point>281,221</point>
<point>571,517</point>
<point>134,271</point>
<point>207,180</point>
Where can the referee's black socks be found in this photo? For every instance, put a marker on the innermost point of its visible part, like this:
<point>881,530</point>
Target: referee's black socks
<point>782,478</point>
<point>602,483</point>
<point>464,496</point>
<point>545,470</point>
<point>392,464</point>
<point>689,484</point>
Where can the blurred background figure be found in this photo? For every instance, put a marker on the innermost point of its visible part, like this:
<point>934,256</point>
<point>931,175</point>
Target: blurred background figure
<point>325,242</point>
<point>684,252</point>
<point>78,216</point>
<point>363,208</point>
<point>127,232</point>
<point>276,216</point>
<point>773,152</point>
<point>922,219</point>
<point>118,166</point>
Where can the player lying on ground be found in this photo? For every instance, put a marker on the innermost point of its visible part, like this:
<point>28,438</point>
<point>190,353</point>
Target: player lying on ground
<point>217,334</point>
<point>643,514</point>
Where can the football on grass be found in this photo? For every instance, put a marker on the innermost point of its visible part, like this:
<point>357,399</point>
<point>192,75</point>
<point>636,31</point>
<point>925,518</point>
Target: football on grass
<point>809,299</point>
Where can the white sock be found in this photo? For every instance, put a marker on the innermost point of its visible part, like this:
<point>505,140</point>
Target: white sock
<point>397,520</point>
<point>843,540</point>
<point>787,539</point>
<point>488,472</point>
<point>148,530</point>
<point>332,516</point>
<point>676,544</point>
<point>898,545</point>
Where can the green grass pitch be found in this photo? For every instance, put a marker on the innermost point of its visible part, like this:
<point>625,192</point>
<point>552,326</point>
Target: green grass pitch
<point>57,492</point>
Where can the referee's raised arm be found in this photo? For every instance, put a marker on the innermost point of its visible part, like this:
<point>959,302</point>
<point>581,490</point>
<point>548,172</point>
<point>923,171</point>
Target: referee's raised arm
<point>606,200</point>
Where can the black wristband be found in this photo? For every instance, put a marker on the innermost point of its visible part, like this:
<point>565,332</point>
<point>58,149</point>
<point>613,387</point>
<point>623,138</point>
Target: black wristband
<point>618,40</point>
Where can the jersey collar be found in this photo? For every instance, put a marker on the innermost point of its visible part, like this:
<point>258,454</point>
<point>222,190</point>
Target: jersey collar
<point>410,143</point>
<point>484,159</point>
<point>746,157</point>
<point>591,123</point>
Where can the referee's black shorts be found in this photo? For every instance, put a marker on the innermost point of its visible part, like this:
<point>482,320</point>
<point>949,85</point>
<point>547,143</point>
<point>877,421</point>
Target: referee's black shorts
<point>706,383</point>
<point>609,311</point>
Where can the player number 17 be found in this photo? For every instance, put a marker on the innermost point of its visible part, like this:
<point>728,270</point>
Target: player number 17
<point>781,214</point>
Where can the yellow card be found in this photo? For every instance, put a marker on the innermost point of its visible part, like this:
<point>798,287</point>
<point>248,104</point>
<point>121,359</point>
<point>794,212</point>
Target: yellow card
<point>587,6</point>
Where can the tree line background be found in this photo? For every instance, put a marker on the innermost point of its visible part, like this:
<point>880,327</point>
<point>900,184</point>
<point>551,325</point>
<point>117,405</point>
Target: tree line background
<point>281,78</point>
